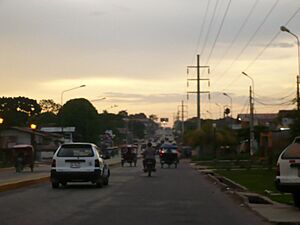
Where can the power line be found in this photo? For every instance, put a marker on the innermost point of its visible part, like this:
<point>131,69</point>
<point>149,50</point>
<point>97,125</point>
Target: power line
<point>262,51</point>
<point>201,29</point>
<point>274,99</point>
<point>251,38</point>
<point>209,27</point>
<point>290,102</point>
<point>238,33</point>
<point>271,41</point>
<point>219,31</point>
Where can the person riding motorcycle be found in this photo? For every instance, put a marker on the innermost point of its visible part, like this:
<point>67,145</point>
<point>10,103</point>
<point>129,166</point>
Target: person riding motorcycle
<point>149,153</point>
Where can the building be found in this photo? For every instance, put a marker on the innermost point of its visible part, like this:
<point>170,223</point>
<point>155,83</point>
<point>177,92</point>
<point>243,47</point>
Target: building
<point>44,143</point>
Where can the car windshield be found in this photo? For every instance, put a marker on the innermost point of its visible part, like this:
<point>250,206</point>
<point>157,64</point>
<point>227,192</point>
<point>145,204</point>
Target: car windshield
<point>76,151</point>
<point>292,152</point>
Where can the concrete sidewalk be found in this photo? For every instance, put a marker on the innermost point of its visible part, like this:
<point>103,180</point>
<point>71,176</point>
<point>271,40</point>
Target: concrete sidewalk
<point>9,179</point>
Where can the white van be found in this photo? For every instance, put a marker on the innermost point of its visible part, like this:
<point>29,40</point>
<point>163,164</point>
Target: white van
<point>288,171</point>
<point>78,162</point>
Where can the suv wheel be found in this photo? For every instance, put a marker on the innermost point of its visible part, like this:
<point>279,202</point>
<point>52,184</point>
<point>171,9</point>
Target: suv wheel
<point>296,197</point>
<point>55,184</point>
<point>99,183</point>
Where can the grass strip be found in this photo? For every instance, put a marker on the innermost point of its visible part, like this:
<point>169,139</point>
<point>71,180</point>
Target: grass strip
<point>257,180</point>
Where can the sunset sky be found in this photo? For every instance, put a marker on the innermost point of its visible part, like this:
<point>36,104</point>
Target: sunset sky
<point>136,52</point>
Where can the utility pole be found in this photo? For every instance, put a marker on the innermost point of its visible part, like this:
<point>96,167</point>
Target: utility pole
<point>251,123</point>
<point>198,92</point>
<point>182,112</point>
<point>298,94</point>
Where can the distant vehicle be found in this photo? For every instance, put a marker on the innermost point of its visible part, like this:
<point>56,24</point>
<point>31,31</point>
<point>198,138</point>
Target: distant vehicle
<point>169,154</point>
<point>129,154</point>
<point>79,162</point>
<point>288,172</point>
<point>186,152</point>
<point>23,155</point>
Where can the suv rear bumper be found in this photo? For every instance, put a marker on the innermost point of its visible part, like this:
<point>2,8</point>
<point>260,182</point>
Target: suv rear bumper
<point>75,176</point>
<point>287,187</point>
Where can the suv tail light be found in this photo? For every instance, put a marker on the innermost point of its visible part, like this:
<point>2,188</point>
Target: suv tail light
<point>277,169</point>
<point>53,163</point>
<point>97,163</point>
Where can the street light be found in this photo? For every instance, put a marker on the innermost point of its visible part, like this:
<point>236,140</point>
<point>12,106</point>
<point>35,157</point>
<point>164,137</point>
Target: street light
<point>62,93</point>
<point>230,101</point>
<point>284,29</point>
<point>252,137</point>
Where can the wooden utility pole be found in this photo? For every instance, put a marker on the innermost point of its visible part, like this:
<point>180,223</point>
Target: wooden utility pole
<point>251,121</point>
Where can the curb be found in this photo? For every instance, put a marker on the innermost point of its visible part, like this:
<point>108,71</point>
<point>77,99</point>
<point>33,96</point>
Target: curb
<point>23,183</point>
<point>253,201</point>
<point>31,181</point>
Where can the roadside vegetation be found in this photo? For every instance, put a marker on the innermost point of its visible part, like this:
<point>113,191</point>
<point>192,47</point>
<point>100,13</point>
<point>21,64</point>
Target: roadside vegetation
<point>259,180</point>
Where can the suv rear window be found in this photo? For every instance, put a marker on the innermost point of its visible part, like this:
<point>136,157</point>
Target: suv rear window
<point>76,151</point>
<point>292,152</point>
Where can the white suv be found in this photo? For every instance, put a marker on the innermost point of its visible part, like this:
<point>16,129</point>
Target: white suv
<point>78,162</point>
<point>288,171</point>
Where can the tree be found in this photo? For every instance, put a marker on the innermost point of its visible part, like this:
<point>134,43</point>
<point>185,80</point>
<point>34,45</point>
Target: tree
<point>123,113</point>
<point>17,110</point>
<point>45,119</point>
<point>48,105</point>
<point>82,115</point>
<point>153,117</point>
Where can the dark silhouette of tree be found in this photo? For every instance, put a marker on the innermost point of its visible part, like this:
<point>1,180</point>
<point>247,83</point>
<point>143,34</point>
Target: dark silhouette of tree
<point>82,115</point>
<point>153,117</point>
<point>17,110</point>
<point>45,119</point>
<point>48,105</point>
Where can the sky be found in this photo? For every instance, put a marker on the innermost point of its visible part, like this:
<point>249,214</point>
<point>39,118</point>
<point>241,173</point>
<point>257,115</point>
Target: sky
<point>135,53</point>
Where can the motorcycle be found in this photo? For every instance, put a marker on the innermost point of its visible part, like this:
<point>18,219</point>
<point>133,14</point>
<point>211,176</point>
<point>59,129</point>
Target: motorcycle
<point>149,166</point>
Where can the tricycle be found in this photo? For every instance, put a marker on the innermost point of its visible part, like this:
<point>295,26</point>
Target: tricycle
<point>23,155</point>
<point>129,154</point>
<point>168,154</point>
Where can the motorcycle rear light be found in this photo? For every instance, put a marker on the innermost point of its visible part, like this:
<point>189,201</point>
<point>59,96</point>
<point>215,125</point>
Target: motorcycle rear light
<point>292,161</point>
<point>277,169</point>
<point>97,163</point>
<point>53,163</point>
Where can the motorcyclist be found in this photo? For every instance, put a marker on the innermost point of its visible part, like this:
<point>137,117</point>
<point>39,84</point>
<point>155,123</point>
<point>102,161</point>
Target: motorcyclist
<point>149,153</point>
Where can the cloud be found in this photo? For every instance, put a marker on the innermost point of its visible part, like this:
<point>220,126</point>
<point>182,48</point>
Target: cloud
<point>143,98</point>
<point>282,45</point>
<point>98,13</point>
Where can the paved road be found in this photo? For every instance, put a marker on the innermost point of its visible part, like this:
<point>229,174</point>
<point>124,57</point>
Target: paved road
<point>171,197</point>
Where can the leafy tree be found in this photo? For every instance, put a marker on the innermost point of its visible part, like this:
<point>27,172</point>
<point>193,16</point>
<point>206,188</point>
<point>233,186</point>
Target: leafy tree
<point>81,114</point>
<point>45,119</point>
<point>123,113</point>
<point>17,110</point>
<point>48,105</point>
<point>153,117</point>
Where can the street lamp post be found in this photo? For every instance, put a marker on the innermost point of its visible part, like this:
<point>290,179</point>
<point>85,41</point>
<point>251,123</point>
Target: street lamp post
<point>220,108</point>
<point>252,137</point>
<point>284,29</point>
<point>230,101</point>
<point>32,141</point>
<point>62,93</point>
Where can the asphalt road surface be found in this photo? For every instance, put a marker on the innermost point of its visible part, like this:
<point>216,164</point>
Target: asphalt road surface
<point>172,196</point>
